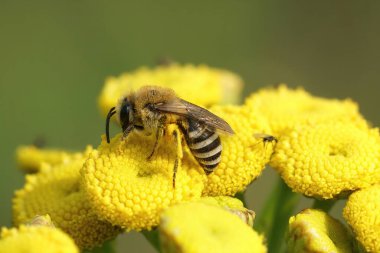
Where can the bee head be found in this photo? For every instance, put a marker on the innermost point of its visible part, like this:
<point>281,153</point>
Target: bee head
<point>125,116</point>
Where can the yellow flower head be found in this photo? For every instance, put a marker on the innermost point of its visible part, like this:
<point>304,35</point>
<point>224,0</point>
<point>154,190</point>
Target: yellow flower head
<point>243,156</point>
<point>200,85</point>
<point>328,160</point>
<point>233,205</point>
<point>57,192</point>
<point>30,158</point>
<point>128,190</point>
<point>285,108</point>
<point>36,239</point>
<point>315,231</point>
<point>362,213</point>
<point>199,227</point>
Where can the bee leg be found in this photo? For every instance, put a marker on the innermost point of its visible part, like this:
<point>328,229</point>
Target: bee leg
<point>179,154</point>
<point>126,132</point>
<point>159,134</point>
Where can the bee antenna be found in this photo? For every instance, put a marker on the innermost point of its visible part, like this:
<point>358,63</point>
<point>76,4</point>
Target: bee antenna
<point>109,115</point>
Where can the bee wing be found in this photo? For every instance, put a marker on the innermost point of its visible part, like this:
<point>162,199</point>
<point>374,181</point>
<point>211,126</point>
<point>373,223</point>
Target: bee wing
<point>181,107</point>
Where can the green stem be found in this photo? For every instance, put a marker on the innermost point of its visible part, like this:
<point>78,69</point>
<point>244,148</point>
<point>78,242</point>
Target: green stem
<point>153,237</point>
<point>324,205</point>
<point>274,218</point>
<point>240,196</point>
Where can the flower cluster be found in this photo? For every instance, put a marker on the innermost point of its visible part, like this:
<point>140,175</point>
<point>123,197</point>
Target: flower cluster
<point>322,148</point>
<point>325,150</point>
<point>56,191</point>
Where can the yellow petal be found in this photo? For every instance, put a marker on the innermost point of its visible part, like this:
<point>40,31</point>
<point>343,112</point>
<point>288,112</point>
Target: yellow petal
<point>199,227</point>
<point>285,108</point>
<point>36,239</point>
<point>57,192</point>
<point>362,213</point>
<point>327,160</point>
<point>315,231</point>
<point>200,85</point>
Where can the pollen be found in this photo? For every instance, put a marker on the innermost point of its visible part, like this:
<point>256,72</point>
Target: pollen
<point>36,239</point>
<point>243,157</point>
<point>56,191</point>
<point>284,108</point>
<point>328,160</point>
<point>362,213</point>
<point>127,189</point>
<point>216,85</point>
<point>315,231</point>
<point>199,227</point>
<point>30,158</point>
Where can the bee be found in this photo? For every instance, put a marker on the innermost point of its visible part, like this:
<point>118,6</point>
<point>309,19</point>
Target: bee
<point>152,108</point>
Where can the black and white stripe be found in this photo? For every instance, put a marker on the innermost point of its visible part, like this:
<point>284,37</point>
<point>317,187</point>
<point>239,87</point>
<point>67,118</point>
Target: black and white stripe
<point>204,144</point>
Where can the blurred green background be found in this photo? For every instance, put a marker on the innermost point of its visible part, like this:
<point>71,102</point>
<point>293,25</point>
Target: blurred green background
<point>55,56</point>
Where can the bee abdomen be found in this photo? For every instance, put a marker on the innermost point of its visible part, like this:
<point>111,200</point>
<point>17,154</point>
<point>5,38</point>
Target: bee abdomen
<point>205,145</point>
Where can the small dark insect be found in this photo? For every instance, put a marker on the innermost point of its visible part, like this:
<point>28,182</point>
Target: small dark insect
<point>151,109</point>
<point>266,138</point>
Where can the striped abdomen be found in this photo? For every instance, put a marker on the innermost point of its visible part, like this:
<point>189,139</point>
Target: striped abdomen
<point>204,144</point>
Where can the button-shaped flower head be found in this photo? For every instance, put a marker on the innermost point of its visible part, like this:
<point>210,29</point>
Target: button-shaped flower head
<point>315,231</point>
<point>56,191</point>
<point>198,227</point>
<point>362,213</point>
<point>38,236</point>
<point>328,160</point>
<point>127,189</point>
<point>285,108</point>
<point>30,158</point>
<point>200,85</point>
<point>243,157</point>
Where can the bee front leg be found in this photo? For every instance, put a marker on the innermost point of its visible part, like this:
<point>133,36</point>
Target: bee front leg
<point>126,132</point>
<point>159,134</point>
<point>179,153</point>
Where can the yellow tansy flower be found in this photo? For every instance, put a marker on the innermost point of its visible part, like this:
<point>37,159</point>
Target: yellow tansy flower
<point>36,239</point>
<point>315,231</point>
<point>233,205</point>
<point>57,192</point>
<point>243,156</point>
<point>199,227</point>
<point>30,158</point>
<point>128,190</point>
<point>285,108</point>
<point>328,160</point>
<point>200,85</point>
<point>362,213</point>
